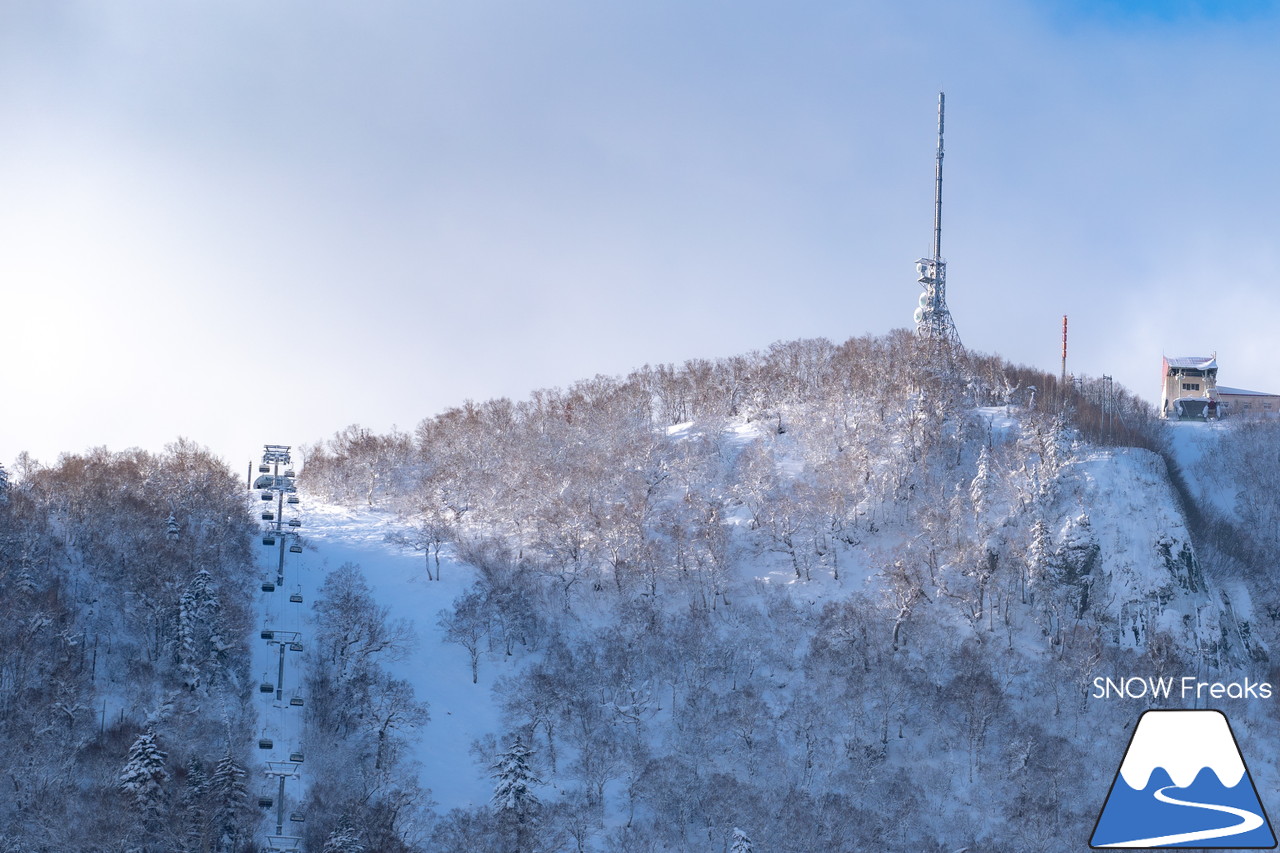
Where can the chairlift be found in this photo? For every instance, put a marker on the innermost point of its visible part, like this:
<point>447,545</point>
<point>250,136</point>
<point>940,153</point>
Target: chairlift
<point>297,817</point>
<point>295,647</point>
<point>266,802</point>
<point>295,757</point>
<point>268,635</point>
<point>264,468</point>
<point>295,548</point>
<point>295,522</point>
<point>266,687</point>
<point>296,701</point>
<point>265,743</point>
<point>266,496</point>
<point>268,586</point>
<point>289,473</point>
<point>296,598</point>
<point>293,499</point>
<point>268,516</point>
<point>268,540</point>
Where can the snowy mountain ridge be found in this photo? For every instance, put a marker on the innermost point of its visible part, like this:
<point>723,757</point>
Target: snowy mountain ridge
<point>806,599</point>
<point>1118,555</point>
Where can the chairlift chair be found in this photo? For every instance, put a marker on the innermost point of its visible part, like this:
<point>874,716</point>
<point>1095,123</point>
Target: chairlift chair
<point>289,473</point>
<point>264,468</point>
<point>293,499</point>
<point>295,647</point>
<point>266,687</point>
<point>268,635</point>
<point>296,598</point>
<point>265,743</point>
<point>295,757</point>
<point>297,817</point>
<point>268,586</point>
<point>295,548</point>
<point>266,496</point>
<point>296,701</point>
<point>295,522</point>
<point>268,540</point>
<point>266,802</point>
<point>268,516</point>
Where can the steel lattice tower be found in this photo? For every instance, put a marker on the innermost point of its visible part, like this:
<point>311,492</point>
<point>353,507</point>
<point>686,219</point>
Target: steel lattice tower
<point>933,319</point>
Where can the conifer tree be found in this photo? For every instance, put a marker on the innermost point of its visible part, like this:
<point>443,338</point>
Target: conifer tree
<point>980,487</point>
<point>513,793</point>
<point>1040,554</point>
<point>195,806</point>
<point>200,641</point>
<point>145,777</point>
<point>741,843</point>
<point>516,805</point>
<point>228,791</point>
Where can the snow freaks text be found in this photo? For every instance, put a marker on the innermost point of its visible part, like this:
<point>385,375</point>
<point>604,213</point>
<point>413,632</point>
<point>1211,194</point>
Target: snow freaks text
<point>1187,687</point>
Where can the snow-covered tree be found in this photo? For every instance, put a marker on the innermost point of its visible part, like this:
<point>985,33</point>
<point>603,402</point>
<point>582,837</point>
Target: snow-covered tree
<point>353,627</point>
<point>467,623</point>
<point>1040,554</point>
<point>200,640</point>
<point>193,806</point>
<point>345,838</point>
<point>514,803</point>
<point>741,843</point>
<point>145,777</point>
<point>981,485</point>
<point>230,799</point>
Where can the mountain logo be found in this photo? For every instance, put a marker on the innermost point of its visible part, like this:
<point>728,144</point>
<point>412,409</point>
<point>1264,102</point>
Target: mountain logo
<point>1183,783</point>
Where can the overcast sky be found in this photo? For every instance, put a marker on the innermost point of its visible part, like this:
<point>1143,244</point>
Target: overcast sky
<point>246,222</point>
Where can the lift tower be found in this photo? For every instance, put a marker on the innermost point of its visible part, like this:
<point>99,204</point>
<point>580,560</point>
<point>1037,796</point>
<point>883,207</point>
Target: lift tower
<point>934,325</point>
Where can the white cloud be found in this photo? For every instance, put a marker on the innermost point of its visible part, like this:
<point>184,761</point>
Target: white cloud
<point>402,205</point>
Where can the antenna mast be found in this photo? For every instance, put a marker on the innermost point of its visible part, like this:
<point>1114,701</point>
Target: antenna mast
<point>1064,350</point>
<point>937,184</point>
<point>933,319</point>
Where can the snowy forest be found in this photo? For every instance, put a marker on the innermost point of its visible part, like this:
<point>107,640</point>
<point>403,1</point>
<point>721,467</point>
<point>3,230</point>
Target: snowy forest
<point>124,586</point>
<point>818,597</point>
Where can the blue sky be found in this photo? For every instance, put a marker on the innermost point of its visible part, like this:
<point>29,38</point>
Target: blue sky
<point>248,223</point>
<point>1138,14</point>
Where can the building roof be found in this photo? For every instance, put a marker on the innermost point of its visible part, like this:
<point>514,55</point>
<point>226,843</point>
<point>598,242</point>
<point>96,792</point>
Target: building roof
<point>1193,362</point>
<point>1223,389</point>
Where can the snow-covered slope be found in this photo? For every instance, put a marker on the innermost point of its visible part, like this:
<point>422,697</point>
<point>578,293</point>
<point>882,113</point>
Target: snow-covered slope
<point>1147,576</point>
<point>1145,581</point>
<point>956,616</point>
<point>461,712</point>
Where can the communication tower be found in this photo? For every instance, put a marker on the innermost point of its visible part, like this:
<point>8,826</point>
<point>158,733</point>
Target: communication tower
<point>933,319</point>
<point>1064,350</point>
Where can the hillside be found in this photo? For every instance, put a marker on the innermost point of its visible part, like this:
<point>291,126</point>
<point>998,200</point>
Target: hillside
<point>1041,668</point>
<point>814,598</point>
<point>828,612</point>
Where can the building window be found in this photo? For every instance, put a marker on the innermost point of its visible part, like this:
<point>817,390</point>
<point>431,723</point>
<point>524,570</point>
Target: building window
<point>1190,386</point>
